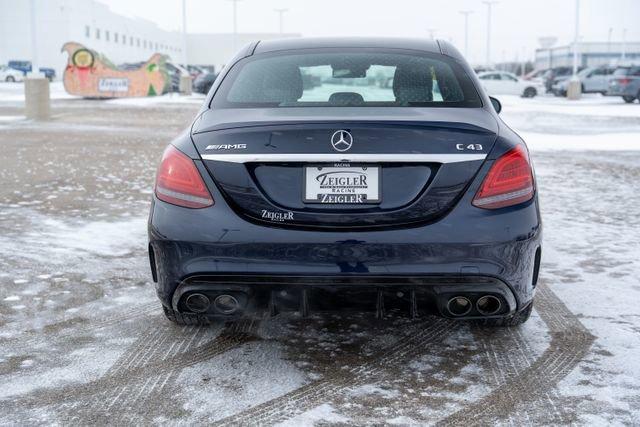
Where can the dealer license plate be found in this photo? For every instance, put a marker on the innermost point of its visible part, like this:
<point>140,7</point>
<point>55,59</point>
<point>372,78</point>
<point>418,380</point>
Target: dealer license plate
<point>342,184</point>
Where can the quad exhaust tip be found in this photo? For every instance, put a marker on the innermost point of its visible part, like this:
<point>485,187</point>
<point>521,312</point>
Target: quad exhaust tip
<point>226,304</point>
<point>198,303</point>
<point>459,306</point>
<point>488,305</point>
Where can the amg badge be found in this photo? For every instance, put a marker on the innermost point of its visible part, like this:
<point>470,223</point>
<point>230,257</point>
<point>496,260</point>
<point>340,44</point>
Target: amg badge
<point>226,147</point>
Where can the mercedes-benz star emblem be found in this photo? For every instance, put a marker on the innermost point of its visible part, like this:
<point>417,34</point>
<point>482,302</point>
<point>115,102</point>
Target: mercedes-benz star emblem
<point>341,140</point>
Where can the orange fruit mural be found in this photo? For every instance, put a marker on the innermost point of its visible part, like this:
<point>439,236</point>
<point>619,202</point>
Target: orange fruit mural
<point>92,75</point>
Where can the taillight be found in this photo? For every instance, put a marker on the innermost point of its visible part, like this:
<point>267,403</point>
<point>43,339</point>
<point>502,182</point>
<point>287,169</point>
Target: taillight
<point>178,181</point>
<point>508,182</point>
<point>624,81</point>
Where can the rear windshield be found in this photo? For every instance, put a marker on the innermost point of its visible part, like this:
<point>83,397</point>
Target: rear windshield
<point>346,79</point>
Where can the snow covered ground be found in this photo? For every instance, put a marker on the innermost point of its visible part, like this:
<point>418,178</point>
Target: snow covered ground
<point>82,340</point>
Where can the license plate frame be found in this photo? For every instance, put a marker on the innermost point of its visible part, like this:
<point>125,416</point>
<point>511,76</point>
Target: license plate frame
<point>343,194</point>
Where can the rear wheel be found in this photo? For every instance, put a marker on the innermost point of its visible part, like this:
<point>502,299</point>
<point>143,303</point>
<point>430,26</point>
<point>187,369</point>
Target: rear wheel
<point>629,99</point>
<point>185,319</point>
<point>10,79</point>
<point>517,319</point>
<point>530,92</point>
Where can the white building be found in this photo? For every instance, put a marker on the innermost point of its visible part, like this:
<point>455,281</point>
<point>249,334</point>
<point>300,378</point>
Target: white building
<point>120,38</point>
<point>591,54</point>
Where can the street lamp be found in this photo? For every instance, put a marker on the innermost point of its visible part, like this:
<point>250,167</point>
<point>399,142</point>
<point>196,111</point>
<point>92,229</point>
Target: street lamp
<point>184,33</point>
<point>575,88</point>
<point>280,13</point>
<point>624,44</point>
<point>235,22</point>
<point>489,4</point>
<point>37,101</point>
<point>466,14</point>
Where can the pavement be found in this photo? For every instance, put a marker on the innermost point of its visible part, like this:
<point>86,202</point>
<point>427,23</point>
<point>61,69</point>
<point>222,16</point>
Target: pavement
<point>83,340</point>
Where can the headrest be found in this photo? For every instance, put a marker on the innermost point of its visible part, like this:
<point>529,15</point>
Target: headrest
<point>282,84</point>
<point>412,85</point>
<point>346,98</point>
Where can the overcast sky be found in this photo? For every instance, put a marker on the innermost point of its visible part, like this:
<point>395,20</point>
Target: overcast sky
<point>517,24</point>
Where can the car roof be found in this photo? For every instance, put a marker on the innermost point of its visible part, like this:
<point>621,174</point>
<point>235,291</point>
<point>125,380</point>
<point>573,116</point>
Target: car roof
<point>426,45</point>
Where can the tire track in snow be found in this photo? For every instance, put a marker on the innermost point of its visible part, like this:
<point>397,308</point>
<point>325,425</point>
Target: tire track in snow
<point>137,383</point>
<point>569,344</point>
<point>26,343</point>
<point>338,381</point>
<point>138,378</point>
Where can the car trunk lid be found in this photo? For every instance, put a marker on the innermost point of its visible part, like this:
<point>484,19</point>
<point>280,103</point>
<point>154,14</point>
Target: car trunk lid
<point>282,166</point>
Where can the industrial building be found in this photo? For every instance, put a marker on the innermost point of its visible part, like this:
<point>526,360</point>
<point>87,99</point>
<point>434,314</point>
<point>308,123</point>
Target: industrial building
<point>121,38</point>
<point>589,54</point>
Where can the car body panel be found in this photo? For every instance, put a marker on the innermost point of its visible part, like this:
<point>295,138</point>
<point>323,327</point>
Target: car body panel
<point>625,81</point>
<point>503,83</point>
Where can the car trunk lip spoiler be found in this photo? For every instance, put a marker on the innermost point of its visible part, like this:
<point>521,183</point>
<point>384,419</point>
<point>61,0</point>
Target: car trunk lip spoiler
<point>342,158</point>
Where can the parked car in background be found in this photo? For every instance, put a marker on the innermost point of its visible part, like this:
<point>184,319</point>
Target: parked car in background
<point>175,71</point>
<point>625,82</point>
<point>592,79</point>
<point>10,74</point>
<point>25,67</point>
<point>194,71</point>
<point>535,75</point>
<point>555,75</point>
<point>504,83</point>
<point>203,82</point>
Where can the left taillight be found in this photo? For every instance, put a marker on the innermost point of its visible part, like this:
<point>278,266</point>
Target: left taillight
<point>508,182</point>
<point>178,181</point>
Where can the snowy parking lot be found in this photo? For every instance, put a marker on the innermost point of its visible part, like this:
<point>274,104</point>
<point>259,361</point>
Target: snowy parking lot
<point>83,340</point>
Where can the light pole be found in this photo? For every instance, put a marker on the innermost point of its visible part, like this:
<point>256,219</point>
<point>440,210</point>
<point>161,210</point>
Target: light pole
<point>37,101</point>
<point>575,88</point>
<point>281,13</point>
<point>235,22</point>
<point>466,14</point>
<point>624,44</point>
<point>184,32</point>
<point>609,42</point>
<point>35,69</point>
<point>489,4</point>
<point>185,80</point>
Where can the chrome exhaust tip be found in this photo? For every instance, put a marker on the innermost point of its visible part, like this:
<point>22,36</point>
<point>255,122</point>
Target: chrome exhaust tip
<point>459,306</point>
<point>488,305</point>
<point>226,304</point>
<point>198,303</point>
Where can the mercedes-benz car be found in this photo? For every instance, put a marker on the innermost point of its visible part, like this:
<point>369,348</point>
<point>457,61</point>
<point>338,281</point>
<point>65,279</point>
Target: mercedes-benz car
<point>306,183</point>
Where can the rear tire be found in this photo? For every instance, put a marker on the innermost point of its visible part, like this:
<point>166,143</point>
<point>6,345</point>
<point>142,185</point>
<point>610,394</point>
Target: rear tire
<point>530,92</point>
<point>10,79</point>
<point>628,99</point>
<point>517,319</point>
<point>185,319</point>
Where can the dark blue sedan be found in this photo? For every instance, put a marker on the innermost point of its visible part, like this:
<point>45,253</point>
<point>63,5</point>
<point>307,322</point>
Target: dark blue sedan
<point>346,174</point>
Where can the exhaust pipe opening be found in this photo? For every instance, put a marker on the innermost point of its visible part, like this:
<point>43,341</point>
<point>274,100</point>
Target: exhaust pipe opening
<point>226,304</point>
<point>198,303</point>
<point>488,305</point>
<point>459,306</point>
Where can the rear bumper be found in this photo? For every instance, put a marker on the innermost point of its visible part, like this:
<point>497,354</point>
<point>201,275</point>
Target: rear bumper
<point>470,250</point>
<point>626,90</point>
<point>415,295</point>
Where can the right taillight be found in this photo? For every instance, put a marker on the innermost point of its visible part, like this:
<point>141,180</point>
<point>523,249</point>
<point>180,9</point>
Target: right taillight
<point>624,81</point>
<point>178,181</point>
<point>508,182</point>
